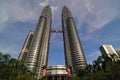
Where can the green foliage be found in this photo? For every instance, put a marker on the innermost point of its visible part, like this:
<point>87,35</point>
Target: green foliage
<point>104,68</point>
<point>74,78</point>
<point>43,78</point>
<point>12,69</point>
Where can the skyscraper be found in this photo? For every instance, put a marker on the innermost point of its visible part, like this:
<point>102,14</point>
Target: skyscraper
<point>26,46</point>
<point>36,54</point>
<point>38,51</point>
<point>74,54</point>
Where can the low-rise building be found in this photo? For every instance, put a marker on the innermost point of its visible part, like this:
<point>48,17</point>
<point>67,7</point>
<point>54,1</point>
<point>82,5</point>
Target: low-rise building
<point>58,72</point>
<point>109,51</point>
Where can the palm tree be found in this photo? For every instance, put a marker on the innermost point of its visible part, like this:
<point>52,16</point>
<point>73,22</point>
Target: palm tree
<point>95,65</point>
<point>12,62</point>
<point>11,68</point>
<point>21,65</point>
<point>1,56</point>
<point>6,58</point>
<point>100,61</point>
<point>114,57</point>
<point>89,68</point>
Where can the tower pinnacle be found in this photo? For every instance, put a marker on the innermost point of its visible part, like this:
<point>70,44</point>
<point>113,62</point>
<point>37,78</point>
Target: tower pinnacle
<point>47,12</point>
<point>37,43</point>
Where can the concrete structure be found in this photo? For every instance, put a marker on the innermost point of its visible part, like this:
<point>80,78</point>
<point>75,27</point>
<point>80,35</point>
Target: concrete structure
<point>74,55</point>
<point>36,54</point>
<point>57,72</point>
<point>118,52</point>
<point>109,51</point>
<point>26,46</point>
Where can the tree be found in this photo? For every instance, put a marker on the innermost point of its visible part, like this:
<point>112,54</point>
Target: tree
<point>74,78</point>
<point>104,68</point>
<point>12,69</point>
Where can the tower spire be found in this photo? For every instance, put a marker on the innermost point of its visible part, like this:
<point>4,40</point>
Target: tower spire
<point>37,50</point>
<point>47,12</point>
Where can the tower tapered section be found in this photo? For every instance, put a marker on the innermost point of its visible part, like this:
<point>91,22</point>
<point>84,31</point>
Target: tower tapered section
<point>26,46</point>
<point>38,52</point>
<point>74,54</point>
<point>68,56</point>
<point>36,47</point>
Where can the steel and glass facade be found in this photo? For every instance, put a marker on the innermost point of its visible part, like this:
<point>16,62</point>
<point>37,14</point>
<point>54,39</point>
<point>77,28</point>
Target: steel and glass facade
<point>74,54</point>
<point>26,46</point>
<point>37,53</point>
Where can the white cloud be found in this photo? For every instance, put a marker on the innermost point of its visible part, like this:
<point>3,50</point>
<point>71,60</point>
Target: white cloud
<point>43,4</point>
<point>53,8</point>
<point>18,10</point>
<point>94,13</point>
<point>92,56</point>
<point>10,50</point>
<point>3,21</point>
<point>22,10</point>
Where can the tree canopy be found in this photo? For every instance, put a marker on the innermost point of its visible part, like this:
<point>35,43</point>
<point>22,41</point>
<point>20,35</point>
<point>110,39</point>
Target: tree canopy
<point>104,68</point>
<point>12,69</point>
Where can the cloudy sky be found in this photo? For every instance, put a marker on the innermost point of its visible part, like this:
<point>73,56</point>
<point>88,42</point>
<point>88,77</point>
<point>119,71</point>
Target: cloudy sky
<point>97,21</point>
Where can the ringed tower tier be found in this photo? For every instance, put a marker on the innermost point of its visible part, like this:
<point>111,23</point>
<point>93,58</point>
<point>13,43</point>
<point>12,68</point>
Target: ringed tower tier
<point>74,55</point>
<point>38,52</point>
<point>36,47</point>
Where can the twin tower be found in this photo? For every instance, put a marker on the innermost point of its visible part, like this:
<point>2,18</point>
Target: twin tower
<point>36,47</point>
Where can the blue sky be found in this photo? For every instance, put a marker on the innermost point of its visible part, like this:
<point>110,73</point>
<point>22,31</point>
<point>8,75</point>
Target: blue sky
<point>97,21</point>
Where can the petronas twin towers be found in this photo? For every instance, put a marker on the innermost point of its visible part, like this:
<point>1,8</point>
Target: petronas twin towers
<point>36,55</point>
